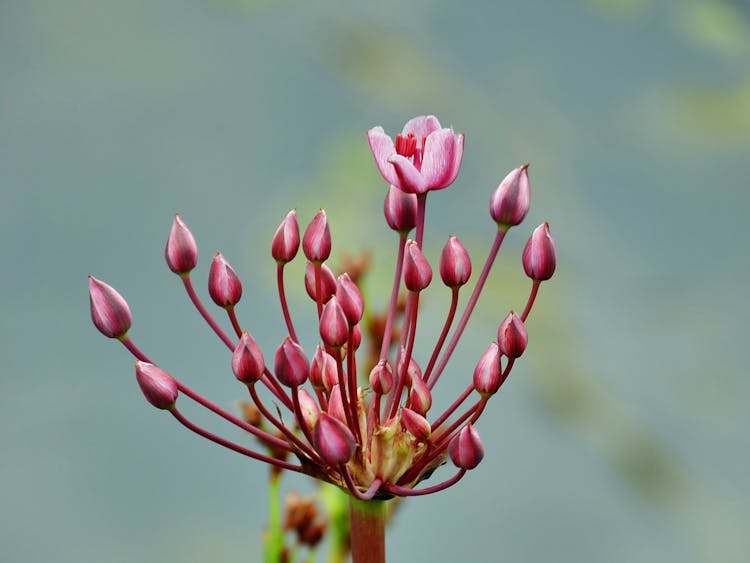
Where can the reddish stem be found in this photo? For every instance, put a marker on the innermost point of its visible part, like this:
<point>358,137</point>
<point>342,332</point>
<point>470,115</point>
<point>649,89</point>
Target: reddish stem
<point>367,529</point>
<point>205,314</point>
<point>284,306</point>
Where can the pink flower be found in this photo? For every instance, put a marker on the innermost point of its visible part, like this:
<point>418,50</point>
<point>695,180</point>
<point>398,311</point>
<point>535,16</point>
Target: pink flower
<point>424,157</point>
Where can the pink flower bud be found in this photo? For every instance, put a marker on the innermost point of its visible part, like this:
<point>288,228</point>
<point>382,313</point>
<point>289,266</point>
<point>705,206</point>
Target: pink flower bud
<point>417,271</point>
<point>224,287</point>
<point>181,251</point>
<point>323,374</point>
<point>333,440</point>
<point>336,404</point>
<point>512,336</point>
<point>334,328</point>
<point>316,243</point>
<point>309,408</point>
<point>420,398</point>
<point>400,210</point>
<point>540,256</point>
<point>350,299</point>
<point>248,364</point>
<point>511,200</point>
<point>416,424</point>
<point>466,448</point>
<point>327,282</point>
<point>455,265</point>
<point>109,311</point>
<point>381,378</point>
<point>285,243</point>
<point>290,364</point>
<point>487,375</point>
<point>157,385</point>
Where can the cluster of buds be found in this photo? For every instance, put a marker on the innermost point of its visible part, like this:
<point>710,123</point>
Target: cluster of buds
<point>374,437</point>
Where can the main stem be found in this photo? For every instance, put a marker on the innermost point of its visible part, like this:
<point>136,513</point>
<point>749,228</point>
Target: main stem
<point>367,529</point>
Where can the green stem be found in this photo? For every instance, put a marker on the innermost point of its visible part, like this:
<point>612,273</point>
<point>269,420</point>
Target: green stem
<point>367,528</point>
<point>273,543</point>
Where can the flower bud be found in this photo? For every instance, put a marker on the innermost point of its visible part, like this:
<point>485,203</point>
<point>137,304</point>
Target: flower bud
<point>109,311</point>
<point>487,374</point>
<point>381,378</point>
<point>181,251</point>
<point>327,282</point>
<point>415,424</point>
<point>309,408</point>
<point>417,271</point>
<point>323,374</point>
<point>400,210</point>
<point>512,336</point>
<point>157,385</point>
<point>336,404</point>
<point>466,448</point>
<point>334,328</point>
<point>285,243</point>
<point>420,398</point>
<point>539,255</point>
<point>511,200</point>
<point>248,364</point>
<point>455,265</point>
<point>316,243</point>
<point>290,364</point>
<point>333,440</point>
<point>350,299</point>
<point>224,287</point>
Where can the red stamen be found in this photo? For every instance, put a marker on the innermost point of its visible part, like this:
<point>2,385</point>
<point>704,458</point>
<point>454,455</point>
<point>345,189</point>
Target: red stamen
<point>406,146</point>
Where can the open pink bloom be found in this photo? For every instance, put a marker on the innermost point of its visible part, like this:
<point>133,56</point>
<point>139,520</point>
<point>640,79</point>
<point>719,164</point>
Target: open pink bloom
<point>424,157</point>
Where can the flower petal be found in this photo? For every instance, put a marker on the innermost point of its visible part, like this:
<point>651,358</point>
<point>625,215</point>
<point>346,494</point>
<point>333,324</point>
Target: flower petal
<point>421,127</point>
<point>439,159</point>
<point>382,148</point>
<point>408,178</point>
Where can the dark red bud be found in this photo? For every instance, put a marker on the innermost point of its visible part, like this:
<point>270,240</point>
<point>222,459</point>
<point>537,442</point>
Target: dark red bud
<point>224,286</point>
<point>400,210</point>
<point>455,264</point>
<point>420,398</point>
<point>109,311</point>
<point>512,336</point>
<point>327,282</point>
<point>466,448</point>
<point>511,200</point>
<point>334,328</point>
<point>417,271</point>
<point>285,243</point>
<point>487,374</point>
<point>333,440</point>
<point>416,424</point>
<point>290,364</point>
<point>336,404</point>
<point>159,388</point>
<point>248,364</point>
<point>540,255</point>
<point>323,373</point>
<point>316,243</point>
<point>381,378</point>
<point>181,251</point>
<point>350,299</point>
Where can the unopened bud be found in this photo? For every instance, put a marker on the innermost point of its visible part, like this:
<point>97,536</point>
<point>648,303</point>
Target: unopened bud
<point>334,328</point>
<point>350,299</point>
<point>417,271</point>
<point>455,264</point>
<point>109,311</point>
<point>327,282</point>
<point>336,404</point>
<point>159,388</point>
<point>416,424</point>
<point>420,398</point>
<point>181,251</point>
<point>511,200</point>
<point>512,336</point>
<point>381,378</point>
<point>487,375</point>
<point>400,210</point>
<point>309,408</point>
<point>224,286</point>
<point>290,364</point>
<point>466,448</point>
<point>316,243</point>
<point>285,243</point>
<point>540,255</point>
<point>248,364</point>
<point>323,373</point>
<point>333,440</point>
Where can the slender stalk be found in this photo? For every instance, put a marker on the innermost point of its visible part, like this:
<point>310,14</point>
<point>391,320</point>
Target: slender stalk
<point>530,301</point>
<point>394,299</point>
<point>205,314</point>
<point>284,306</point>
<point>367,528</point>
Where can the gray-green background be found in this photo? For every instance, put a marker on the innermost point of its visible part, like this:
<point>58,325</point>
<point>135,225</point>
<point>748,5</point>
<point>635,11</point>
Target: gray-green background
<point>621,437</point>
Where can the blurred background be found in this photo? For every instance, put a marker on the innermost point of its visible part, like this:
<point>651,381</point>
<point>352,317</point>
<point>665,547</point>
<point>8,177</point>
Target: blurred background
<point>621,436</point>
